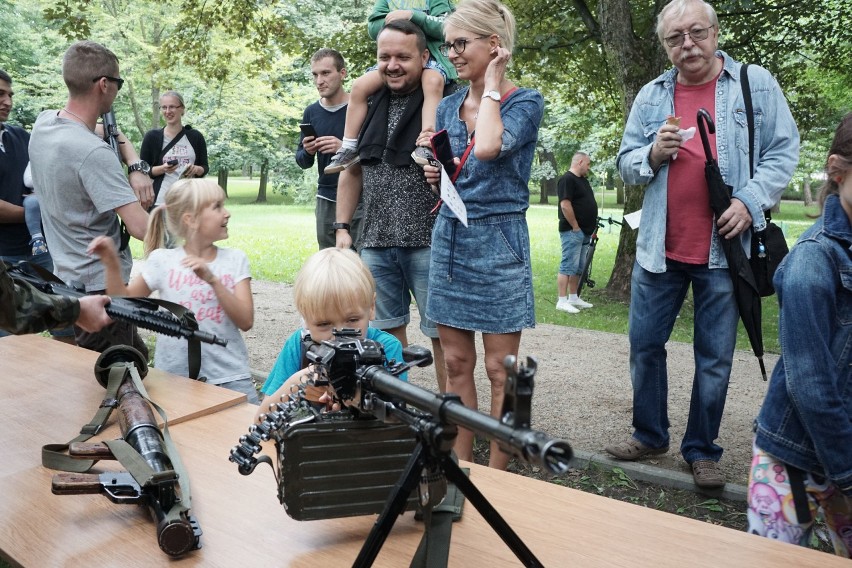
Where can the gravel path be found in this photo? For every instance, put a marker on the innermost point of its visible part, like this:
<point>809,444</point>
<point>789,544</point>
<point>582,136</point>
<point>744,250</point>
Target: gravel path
<point>582,387</point>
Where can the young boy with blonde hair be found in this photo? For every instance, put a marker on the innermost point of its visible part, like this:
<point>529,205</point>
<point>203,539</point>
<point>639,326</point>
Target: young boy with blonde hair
<point>334,290</point>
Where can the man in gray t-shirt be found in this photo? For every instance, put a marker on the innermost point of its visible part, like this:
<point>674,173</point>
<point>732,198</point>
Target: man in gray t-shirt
<point>81,184</point>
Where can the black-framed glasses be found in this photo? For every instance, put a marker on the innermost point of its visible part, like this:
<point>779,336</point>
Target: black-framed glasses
<point>696,36</point>
<point>170,107</point>
<point>458,46</point>
<point>117,80</point>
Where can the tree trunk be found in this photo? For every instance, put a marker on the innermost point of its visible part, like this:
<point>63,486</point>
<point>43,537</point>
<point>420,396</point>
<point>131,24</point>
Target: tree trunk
<point>264,177</point>
<point>155,109</point>
<point>806,191</point>
<point>548,186</point>
<point>637,60</point>
<point>222,179</point>
<point>619,191</point>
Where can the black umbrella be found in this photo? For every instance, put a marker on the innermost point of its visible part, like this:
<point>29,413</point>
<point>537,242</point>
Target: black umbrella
<point>745,288</point>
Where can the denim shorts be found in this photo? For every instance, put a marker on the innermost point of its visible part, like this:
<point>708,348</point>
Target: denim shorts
<point>481,277</point>
<point>400,272</point>
<point>575,246</point>
<point>432,63</point>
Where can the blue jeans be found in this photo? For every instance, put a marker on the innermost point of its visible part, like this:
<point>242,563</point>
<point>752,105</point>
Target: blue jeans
<point>32,214</point>
<point>400,272</point>
<point>655,300</point>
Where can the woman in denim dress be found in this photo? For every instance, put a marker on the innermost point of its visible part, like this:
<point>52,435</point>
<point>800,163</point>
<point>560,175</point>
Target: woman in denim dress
<point>480,278</point>
<point>802,460</point>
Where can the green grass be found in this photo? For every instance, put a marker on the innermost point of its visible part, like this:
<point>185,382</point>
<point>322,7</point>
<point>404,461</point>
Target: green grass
<point>278,238</point>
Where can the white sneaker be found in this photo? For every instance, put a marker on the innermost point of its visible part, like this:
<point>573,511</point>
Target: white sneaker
<point>580,303</point>
<point>566,306</point>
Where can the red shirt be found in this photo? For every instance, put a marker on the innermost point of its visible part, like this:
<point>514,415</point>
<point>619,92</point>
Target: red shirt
<point>689,221</point>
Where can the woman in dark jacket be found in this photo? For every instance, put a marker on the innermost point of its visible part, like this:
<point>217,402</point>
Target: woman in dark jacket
<point>174,151</point>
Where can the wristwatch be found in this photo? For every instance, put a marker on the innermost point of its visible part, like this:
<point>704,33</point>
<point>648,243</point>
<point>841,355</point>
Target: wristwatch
<point>139,166</point>
<point>337,226</point>
<point>493,95</point>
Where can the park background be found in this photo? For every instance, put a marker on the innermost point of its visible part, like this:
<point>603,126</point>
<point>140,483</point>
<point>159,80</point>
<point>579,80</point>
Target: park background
<point>243,68</point>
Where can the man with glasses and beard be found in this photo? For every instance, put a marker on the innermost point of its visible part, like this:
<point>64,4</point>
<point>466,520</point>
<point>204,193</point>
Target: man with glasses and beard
<point>679,240</point>
<point>82,188</point>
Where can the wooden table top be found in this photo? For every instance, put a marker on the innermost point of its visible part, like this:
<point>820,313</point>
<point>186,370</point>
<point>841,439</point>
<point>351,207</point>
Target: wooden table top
<point>243,523</point>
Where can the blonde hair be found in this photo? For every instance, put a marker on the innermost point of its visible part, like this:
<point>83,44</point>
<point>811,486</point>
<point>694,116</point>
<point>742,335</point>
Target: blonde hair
<point>186,196</point>
<point>333,281</point>
<point>485,17</point>
<point>174,94</point>
<point>84,62</point>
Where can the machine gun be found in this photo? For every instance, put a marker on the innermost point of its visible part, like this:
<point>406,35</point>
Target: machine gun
<point>155,477</point>
<point>144,312</point>
<point>353,368</point>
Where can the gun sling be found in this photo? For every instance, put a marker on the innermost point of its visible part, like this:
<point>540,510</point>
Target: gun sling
<point>53,456</point>
<point>434,548</point>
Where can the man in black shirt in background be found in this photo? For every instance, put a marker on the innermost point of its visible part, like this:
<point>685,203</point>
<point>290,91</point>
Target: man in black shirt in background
<point>578,213</point>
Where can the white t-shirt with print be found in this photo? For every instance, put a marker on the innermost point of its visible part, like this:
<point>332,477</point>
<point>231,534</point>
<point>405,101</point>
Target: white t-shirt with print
<point>184,153</point>
<point>163,273</point>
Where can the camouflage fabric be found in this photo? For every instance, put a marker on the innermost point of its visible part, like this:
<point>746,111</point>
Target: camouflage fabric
<point>23,309</point>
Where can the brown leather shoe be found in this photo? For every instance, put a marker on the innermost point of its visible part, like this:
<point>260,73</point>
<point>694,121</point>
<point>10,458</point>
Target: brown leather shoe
<point>633,449</point>
<point>706,474</point>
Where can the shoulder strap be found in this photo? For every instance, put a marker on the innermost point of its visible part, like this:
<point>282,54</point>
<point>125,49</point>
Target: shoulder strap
<point>749,115</point>
<point>171,144</point>
<point>749,110</point>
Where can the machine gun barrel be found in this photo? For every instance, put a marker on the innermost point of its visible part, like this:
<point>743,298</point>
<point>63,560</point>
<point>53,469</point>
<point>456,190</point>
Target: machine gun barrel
<point>527,444</point>
<point>140,311</point>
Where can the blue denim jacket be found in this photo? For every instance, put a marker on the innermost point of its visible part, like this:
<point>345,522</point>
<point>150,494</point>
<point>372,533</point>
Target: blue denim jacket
<point>498,186</point>
<point>776,147</point>
<point>806,418</point>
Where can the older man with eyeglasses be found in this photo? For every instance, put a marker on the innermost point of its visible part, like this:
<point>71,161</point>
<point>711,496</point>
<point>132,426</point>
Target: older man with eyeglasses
<point>679,239</point>
<point>81,185</point>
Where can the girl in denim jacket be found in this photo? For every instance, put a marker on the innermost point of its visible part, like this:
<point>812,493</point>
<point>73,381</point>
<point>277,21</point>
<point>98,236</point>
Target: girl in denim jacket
<point>802,462</point>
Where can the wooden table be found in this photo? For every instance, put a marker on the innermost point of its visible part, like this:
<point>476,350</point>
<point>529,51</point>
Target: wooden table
<point>244,525</point>
<point>48,391</point>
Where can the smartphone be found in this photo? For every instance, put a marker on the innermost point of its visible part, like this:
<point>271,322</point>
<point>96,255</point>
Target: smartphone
<point>443,153</point>
<point>307,130</point>
<point>172,162</point>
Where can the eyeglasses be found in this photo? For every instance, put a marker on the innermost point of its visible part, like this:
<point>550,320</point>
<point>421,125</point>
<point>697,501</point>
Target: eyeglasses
<point>458,46</point>
<point>117,80</point>
<point>696,36</point>
<point>170,107</point>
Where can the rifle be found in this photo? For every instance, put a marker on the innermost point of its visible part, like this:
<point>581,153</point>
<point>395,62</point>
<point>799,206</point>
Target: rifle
<point>153,480</point>
<point>144,312</point>
<point>111,137</point>
<point>111,132</point>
